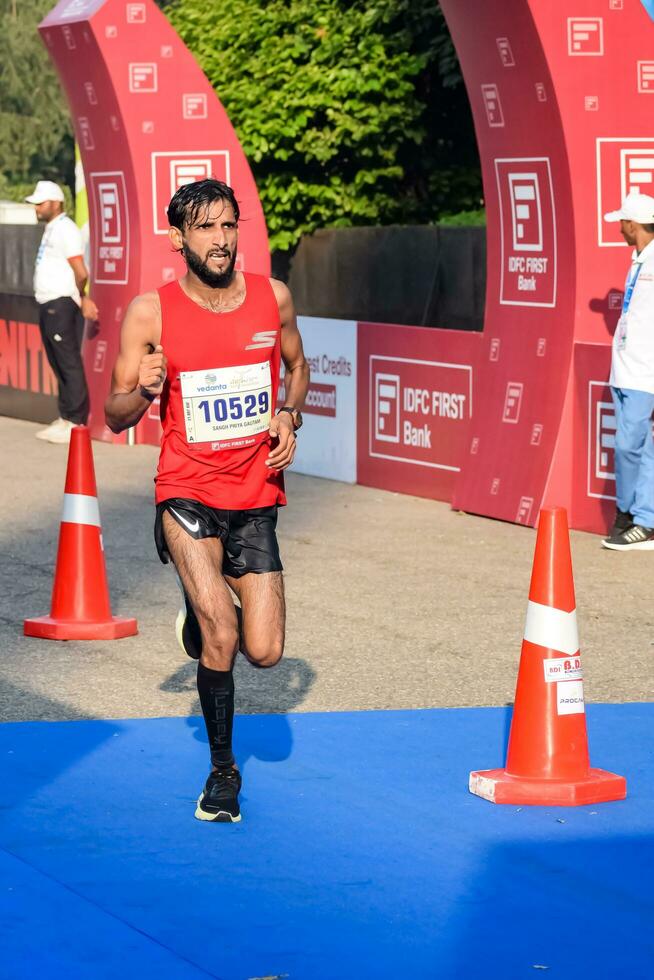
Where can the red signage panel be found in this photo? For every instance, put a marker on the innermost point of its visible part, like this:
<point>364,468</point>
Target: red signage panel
<point>600,481</point>
<point>320,400</point>
<point>594,440</point>
<point>108,205</point>
<point>527,232</point>
<point>414,403</point>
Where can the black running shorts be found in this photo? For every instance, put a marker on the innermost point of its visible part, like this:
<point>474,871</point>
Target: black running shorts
<point>248,536</point>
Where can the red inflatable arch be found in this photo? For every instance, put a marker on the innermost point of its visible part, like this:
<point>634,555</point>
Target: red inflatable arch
<point>562,95</point>
<point>147,121</point>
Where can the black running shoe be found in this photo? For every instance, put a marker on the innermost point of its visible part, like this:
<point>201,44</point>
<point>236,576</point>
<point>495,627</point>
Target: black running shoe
<point>635,538</point>
<point>623,521</point>
<point>218,800</point>
<point>187,630</point>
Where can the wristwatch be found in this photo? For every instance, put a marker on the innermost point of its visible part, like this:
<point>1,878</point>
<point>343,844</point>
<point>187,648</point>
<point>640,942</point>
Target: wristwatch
<point>295,415</point>
<point>144,393</point>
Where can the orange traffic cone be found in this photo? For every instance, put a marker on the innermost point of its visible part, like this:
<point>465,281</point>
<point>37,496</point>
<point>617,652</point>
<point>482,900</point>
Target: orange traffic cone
<point>80,608</point>
<point>547,762</point>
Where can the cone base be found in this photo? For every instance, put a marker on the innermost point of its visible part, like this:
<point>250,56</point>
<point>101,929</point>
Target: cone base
<point>47,628</point>
<point>499,786</point>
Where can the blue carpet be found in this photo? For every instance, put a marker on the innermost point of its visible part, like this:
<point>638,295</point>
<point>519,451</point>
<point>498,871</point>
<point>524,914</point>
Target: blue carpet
<point>361,853</point>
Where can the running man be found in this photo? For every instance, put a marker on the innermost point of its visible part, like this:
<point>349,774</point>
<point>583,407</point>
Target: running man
<point>210,345</point>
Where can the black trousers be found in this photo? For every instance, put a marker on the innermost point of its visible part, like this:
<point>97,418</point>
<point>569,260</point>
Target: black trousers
<point>62,330</point>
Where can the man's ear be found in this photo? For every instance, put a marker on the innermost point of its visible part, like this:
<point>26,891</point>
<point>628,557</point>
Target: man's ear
<point>176,239</point>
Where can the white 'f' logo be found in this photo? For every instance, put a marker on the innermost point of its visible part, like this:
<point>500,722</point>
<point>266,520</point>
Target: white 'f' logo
<point>263,338</point>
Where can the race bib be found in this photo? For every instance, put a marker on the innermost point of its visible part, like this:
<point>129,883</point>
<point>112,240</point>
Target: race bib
<point>227,407</point>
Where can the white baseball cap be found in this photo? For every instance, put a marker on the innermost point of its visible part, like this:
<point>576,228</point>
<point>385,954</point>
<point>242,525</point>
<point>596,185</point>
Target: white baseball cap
<point>45,190</point>
<point>635,207</point>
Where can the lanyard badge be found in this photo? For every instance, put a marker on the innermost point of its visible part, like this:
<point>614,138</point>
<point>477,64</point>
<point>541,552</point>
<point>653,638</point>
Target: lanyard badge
<point>626,303</point>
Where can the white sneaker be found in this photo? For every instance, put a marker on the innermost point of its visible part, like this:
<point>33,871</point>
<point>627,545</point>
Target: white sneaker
<point>58,431</point>
<point>44,433</point>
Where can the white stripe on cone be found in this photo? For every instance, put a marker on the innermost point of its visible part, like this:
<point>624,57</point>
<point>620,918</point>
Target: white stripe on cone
<point>79,508</point>
<point>552,628</point>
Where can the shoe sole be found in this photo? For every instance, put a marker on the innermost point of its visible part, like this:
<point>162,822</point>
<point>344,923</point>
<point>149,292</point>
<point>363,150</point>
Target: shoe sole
<point>637,546</point>
<point>181,621</point>
<point>179,628</point>
<point>222,816</point>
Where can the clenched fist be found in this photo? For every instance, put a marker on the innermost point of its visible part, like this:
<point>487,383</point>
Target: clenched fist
<point>89,309</point>
<point>152,371</point>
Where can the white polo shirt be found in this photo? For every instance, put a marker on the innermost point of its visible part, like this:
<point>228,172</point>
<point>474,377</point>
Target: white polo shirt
<point>53,274</point>
<point>632,364</point>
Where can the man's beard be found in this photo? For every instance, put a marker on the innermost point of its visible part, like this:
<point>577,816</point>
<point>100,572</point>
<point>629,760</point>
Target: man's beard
<point>199,268</point>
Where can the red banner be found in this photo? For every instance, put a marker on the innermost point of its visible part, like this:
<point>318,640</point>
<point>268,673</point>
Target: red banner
<point>414,402</point>
<point>559,119</point>
<point>23,364</point>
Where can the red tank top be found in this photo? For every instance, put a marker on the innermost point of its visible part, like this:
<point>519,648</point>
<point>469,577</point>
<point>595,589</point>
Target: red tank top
<point>218,398</point>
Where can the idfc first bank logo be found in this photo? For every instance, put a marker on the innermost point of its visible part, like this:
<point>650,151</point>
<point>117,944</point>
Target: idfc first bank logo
<point>111,259</point>
<point>172,170</point>
<point>601,441</point>
<point>528,232</point>
<point>624,166</point>
<point>417,409</point>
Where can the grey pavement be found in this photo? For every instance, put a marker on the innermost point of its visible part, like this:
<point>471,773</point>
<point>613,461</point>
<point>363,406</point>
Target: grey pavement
<point>393,601</point>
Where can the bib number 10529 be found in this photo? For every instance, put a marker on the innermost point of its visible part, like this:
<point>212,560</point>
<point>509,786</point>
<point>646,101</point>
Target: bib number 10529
<point>235,408</point>
<point>227,407</point>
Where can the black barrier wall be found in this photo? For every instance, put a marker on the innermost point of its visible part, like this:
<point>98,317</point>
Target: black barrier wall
<point>27,385</point>
<point>433,276</point>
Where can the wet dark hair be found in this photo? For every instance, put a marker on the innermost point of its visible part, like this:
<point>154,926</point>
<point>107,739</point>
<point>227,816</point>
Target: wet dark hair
<point>649,229</point>
<point>190,201</point>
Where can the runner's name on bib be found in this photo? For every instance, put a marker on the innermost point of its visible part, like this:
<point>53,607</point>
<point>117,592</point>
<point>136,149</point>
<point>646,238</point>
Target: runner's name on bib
<point>228,407</point>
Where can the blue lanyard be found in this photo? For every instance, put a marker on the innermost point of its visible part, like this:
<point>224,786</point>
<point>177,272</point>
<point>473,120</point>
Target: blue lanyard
<point>630,286</point>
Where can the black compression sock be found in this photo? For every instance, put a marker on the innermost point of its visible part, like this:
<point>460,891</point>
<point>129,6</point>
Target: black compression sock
<point>216,690</point>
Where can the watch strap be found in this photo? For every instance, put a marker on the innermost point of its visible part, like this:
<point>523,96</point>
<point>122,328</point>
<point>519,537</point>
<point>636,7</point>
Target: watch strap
<point>292,412</point>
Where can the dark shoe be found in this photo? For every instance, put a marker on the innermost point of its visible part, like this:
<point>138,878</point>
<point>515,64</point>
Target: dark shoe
<point>623,521</point>
<point>635,538</point>
<point>187,630</point>
<point>218,800</point>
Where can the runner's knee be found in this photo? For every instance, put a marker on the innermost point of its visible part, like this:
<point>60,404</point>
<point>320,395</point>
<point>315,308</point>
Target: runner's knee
<point>219,642</point>
<point>265,653</point>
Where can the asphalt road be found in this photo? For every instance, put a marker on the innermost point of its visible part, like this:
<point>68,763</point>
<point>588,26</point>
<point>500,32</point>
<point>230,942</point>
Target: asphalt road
<point>393,601</point>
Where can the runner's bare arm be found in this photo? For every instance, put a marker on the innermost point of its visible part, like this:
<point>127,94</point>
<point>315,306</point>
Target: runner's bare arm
<point>296,381</point>
<point>140,368</point>
<point>297,368</point>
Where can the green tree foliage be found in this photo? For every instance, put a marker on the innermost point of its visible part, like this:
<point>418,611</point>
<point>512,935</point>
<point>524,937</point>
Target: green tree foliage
<point>36,138</point>
<point>350,113</point>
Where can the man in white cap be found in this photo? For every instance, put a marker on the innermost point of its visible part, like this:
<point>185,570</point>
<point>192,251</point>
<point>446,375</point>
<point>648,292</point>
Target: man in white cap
<point>60,278</point>
<point>632,383</point>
